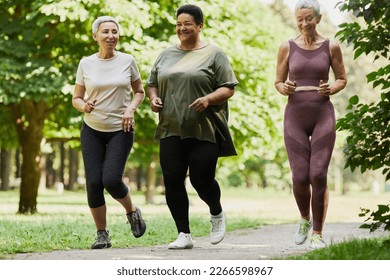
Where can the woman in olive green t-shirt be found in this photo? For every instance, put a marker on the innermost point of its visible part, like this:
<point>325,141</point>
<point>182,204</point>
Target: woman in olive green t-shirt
<point>189,86</point>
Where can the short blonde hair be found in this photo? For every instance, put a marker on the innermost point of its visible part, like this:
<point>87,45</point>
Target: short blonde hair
<point>100,20</point>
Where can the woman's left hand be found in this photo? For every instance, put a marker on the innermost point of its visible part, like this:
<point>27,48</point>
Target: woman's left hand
<point>200,104</point>
<point>324,89</point>
<point>128,122</point>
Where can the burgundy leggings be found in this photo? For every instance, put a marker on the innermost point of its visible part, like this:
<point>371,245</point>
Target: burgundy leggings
<point>309,136</point>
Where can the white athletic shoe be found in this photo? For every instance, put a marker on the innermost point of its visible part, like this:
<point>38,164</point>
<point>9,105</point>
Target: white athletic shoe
<point>218,228</point>
<point>303,231</point>
<point>183,241</point>
<point>317,242</point>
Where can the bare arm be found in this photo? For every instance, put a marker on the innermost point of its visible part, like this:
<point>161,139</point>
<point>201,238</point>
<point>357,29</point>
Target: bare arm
<point>78,100</point>
<point>338,68</point>
<point>138,97</point>
<point>155,101</point>
<point>282,85</point>
<point>215,98</point>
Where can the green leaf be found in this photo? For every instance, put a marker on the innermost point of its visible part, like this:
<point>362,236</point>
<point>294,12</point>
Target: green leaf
<point>372,76</point>
<point>354,100</point>
<point>358,52</point>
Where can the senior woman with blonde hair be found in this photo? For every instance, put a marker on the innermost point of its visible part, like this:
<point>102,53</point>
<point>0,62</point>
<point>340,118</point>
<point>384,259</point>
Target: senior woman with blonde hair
<point>302,74</point>
<point>104,82</point>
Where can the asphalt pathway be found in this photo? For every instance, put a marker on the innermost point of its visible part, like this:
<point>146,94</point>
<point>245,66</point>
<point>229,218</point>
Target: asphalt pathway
<point>266,243</point>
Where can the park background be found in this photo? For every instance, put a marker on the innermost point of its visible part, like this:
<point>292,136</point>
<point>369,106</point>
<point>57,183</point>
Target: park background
<point>43,41</point>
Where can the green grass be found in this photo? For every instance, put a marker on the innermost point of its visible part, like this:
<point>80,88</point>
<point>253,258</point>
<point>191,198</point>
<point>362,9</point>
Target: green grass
<point>363,249</point>
<point>47,232</point>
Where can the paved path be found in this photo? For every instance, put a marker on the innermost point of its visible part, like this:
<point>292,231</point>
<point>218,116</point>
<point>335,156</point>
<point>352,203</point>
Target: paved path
<point>268,242</point>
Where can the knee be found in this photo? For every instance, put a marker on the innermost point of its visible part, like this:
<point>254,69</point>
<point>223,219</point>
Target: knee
<point>318,178</point>
<point>111,182</point>
<point>199,182</point>
<point>115,187</point>
<point>300,180</point>
<point>94,184</point>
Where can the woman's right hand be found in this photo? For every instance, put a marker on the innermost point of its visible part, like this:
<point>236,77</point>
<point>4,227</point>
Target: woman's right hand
<point>156,104</point>
<point>289,87</point>
<point>89,106</point>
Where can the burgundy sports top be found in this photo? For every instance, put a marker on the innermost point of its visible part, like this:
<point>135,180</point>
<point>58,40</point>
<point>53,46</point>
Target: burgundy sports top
<point>307,68</point>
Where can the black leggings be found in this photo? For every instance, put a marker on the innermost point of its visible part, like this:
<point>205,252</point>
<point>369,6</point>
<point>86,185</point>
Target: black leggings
<point>309,135</point>
<point>177,156</point>
<point>105,155</point>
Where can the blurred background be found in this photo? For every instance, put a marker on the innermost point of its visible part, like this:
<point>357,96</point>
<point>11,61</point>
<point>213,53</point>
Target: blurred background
<point>43,41</point>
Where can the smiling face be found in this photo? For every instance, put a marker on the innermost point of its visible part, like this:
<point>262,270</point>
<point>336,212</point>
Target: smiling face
<point>107,35</point>
<point>187,30</point>
<point>307,21</point>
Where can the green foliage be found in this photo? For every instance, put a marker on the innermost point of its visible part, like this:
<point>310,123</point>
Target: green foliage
<point>380,218</point>
<point>7,133</point>
<point>368,144</point>
<point>365,39</point>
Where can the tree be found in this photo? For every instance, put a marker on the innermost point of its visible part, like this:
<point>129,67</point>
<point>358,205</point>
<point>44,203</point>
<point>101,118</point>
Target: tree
<point>7,144</point>
<point>368,143</point>
<point>38,56</point>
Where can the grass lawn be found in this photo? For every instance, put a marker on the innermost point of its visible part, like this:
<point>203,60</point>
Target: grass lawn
<point>64,221</point>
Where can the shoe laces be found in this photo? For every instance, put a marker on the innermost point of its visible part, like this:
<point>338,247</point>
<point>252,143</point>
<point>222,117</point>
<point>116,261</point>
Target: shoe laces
<point>216,224</point>
<point>133,218</point>
<point>304,227</point>
<point>102,236</point>
<point>317,239</point>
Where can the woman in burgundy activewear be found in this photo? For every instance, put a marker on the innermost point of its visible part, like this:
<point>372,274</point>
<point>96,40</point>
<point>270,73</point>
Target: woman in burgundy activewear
<point>302,71</point>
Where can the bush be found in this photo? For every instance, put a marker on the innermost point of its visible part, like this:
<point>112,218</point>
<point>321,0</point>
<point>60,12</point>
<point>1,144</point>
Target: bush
<point>380,218</point>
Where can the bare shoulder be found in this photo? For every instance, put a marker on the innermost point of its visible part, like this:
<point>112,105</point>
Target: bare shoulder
<point>334,45</point>
<point>285,45</point>
<point>284,48</point>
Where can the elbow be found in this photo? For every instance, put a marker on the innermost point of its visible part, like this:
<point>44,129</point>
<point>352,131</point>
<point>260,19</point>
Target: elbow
<point>141,95</point>
<point>345,82</point>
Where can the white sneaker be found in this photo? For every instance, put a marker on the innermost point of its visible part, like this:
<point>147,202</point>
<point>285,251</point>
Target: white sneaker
<point>317,242</point>
<point>302,232</point>
<point>183,241</point>
<point>218,228</point>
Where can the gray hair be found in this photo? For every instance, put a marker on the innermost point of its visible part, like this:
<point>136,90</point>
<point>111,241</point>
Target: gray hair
<point>309,4</point>
<point>100,20</point>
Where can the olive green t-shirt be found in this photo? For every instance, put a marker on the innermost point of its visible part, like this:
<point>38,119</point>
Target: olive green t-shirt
<point>183,76</point>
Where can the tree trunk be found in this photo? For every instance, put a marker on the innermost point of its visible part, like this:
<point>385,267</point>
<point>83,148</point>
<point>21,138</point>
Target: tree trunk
<point>50,173</point>
<point>73,169</point>
<point>62,163</point>
<point>6,156</point>
<point>29,119</point>
<point>17,163</point>
<point>140,175</point>
<point>151,175</point>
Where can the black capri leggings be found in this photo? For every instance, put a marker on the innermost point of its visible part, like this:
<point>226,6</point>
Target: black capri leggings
<point>177,156</point>
<point>105,155</point>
